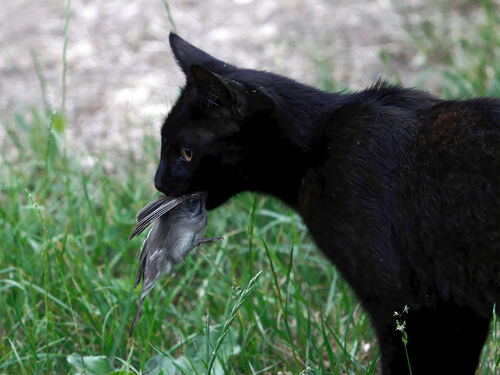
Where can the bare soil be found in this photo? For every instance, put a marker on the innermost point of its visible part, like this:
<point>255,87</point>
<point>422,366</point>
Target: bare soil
<point>121,75</point>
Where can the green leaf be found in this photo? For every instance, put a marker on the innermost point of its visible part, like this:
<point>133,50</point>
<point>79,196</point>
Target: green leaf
<point>229,346</point>
<point>90,365</point>
<point>59,122</point>
<point>195,356</point>
<point>160,364</point>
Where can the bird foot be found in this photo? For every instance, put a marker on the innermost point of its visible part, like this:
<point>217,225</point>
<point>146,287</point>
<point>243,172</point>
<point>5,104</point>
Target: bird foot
<point>205,240</point>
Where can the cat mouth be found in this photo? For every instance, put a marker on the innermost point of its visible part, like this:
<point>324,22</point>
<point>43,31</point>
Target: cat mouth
<point>216,199</point>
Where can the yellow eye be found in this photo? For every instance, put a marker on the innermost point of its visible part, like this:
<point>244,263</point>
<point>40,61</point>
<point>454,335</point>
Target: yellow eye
<point>187,153</point>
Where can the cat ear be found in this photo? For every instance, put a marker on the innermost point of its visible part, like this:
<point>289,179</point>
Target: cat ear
<point>219,91</point>
<point>188,55</point>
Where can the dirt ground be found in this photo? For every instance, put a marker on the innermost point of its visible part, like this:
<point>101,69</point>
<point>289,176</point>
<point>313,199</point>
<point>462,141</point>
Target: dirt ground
<point>121,75</point>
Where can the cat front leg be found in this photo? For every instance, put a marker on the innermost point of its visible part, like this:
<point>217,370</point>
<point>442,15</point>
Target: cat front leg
<point>441,339</point>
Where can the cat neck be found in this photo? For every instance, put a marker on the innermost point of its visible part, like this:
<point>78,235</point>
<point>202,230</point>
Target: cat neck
<point>299,109</point>
<point>286,142</point>
<point>302,111</point>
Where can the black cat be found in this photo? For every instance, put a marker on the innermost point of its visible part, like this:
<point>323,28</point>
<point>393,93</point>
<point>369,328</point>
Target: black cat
<point>399,189</point>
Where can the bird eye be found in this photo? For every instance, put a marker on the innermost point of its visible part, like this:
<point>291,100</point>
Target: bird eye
<point>187,153</point>
<point>193,205</point>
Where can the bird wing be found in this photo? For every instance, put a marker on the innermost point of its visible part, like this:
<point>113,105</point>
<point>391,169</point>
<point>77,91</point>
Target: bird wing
<point>153,211</point>
<point>151,207</point>
<point>136,317</point>
<point>140,270</point>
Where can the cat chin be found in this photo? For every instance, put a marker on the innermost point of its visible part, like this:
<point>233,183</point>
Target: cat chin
<point>214,200</point>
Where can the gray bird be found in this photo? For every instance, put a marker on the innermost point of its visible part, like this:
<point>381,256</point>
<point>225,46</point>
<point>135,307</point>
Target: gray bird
<point>180,227</point>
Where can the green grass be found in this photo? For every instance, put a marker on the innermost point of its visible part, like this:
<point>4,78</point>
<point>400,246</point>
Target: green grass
<point>67,270</point>
<point>464,56</point>
<point>263,300</point>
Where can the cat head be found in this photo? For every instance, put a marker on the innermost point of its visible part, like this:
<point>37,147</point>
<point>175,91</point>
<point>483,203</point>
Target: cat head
<point>203,145</point>
<point>222,135</point>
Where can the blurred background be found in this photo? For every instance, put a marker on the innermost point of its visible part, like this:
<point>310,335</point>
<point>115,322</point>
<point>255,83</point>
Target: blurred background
<point>122,78</point>
<point>84,87</point>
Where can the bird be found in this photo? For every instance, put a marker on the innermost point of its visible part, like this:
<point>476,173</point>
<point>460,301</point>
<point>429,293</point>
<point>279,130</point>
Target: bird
<point>179,228</point>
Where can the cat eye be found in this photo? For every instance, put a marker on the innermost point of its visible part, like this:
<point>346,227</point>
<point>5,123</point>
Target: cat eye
<point>187,153</point>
